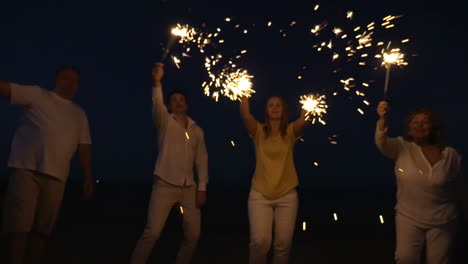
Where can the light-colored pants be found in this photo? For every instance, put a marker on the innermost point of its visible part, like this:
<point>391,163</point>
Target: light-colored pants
<point>268,216</point>
<point>32,202</point>
<point>411,237</point>
<point>163,197</point>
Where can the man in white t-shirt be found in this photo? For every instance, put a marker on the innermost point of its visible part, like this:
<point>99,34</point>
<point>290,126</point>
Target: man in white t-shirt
<point>181,148</point>
<point>51,130</point>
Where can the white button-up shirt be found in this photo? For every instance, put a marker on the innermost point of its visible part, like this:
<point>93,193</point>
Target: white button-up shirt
<point>179,148</point>
<point>426,194</point>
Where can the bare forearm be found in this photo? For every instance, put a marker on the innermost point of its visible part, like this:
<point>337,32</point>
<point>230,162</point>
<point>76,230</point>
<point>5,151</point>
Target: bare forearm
<point>84,156</point>
<point>5,89</point>
<point>382,124</point>
<point>300,124</point>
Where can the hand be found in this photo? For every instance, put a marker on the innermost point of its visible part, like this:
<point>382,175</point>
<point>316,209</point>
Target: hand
<point>88,188</point>
<point>383,110</point>
<point>201,199</point>
<point>158,73</point>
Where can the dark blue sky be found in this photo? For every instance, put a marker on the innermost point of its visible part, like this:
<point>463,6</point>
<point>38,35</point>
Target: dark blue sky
<point>114,43</point>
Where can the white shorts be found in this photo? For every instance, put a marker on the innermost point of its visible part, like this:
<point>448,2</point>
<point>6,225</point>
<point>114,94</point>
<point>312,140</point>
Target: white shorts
<point>32,202</point>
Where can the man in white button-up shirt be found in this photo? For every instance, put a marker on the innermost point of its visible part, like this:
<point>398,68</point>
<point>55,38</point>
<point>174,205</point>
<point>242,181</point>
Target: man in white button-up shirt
<point>52,129</point>
<point>181,146</point>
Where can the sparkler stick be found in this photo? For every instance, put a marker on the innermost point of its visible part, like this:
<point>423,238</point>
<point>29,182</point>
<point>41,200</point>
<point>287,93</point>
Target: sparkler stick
<point>390,58</point>
<point>169,45</point>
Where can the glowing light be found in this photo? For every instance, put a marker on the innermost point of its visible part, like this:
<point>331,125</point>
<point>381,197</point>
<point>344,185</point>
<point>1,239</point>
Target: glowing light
<point>304,226</point>
<point>360,111</point>
<point>232,143</point>
<point>381,219</point>
<point>181,209</point>
<point>315,106</point>
<point>316,7</point>
<point>349,14</point>
<point>187,135</point>
<point>316,164</point>
<point>335,216</point>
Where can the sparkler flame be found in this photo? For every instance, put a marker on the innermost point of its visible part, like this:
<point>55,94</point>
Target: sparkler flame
<point>315,106</point>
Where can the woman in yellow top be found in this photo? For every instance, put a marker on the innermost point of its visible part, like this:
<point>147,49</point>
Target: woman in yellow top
<point>273,199</point>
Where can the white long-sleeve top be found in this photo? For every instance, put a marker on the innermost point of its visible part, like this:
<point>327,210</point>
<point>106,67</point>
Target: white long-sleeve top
<point>425,193</point>
<point>180,149</point>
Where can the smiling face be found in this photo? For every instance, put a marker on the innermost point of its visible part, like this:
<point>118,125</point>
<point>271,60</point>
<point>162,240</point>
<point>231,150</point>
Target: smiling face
<point>420,128</point>
<point>275,108</point>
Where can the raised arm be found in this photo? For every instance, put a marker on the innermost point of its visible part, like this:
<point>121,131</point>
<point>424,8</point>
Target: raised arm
<point>250,122</point>
<point>387,146</point>
<point>160,113</point>
<point>300,124</point>
<point>5,90</point>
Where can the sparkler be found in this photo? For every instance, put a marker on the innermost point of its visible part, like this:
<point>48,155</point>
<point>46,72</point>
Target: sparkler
<point>233,84</point>
<point>391,57</point>
<point>315,106</point>
<point>185,33</point>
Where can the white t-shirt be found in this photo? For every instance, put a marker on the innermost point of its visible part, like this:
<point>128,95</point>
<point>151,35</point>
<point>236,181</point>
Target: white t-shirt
<point>50,130</point>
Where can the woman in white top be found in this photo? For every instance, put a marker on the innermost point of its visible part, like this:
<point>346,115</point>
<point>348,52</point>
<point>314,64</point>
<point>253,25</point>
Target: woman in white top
<point>427,173</point>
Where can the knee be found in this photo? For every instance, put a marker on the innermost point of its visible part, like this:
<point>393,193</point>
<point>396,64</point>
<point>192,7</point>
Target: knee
<point>406,256</point>
<point>151,234</point>
<point>282,247</point>
<point>260,244</point>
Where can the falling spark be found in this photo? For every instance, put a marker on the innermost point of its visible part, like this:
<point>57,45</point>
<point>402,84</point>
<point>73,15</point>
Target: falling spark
<point>316,164</point>
<point>304,226</point>
<point>360,111</point>
<point>316,7</point>
<point>244,51</point>
<point>176,61</point>
<point>365,84</point>
<point>390,26</point>
<point>344,36</point>
<point>366,102</point>
<point>97,181</point>
<point>181,209</point>
<point>335,56</point>
<point>301,139</point>
<point>227,19</point>
<point>269,24</point>
<point>246,31</point>
<point>365,38</point>
<point>405,41</point>
<point>232,143</point>
<point>337,31</point>
<point>349,14</point>
<point>315,106</point>
<point>187,135</point>
<point>299,77</point>
<point>400,170</point>
<point>381,219</point>
<point>335,216</point>
<point>357,28</point>
<point>317,28</point>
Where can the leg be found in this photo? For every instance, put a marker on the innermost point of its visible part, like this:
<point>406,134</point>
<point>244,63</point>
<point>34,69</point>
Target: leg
<point>261,225</point>
<point>191,225</point>
<point>439,244</point>
<point>410,240</point>
<point>285,221</point>
<point>163,198</point>
<point>18,213</point>
<point>48,206</point>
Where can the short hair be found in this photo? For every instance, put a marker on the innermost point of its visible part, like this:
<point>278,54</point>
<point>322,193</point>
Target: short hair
<point>436,136</point>
<point>177,92</point>
<point>67,67</point>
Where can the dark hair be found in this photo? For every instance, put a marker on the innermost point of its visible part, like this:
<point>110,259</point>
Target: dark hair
<point>177,92</point>
<point>67,67</point>
<point>436,136</point>
<point>284,118</point>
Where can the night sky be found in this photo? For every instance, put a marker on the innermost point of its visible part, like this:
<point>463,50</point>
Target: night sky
<point>115,43</point>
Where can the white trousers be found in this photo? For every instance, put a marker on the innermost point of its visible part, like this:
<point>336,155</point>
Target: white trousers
<point>266,217</point>
<point>163,197</point>
<point>412,237</point>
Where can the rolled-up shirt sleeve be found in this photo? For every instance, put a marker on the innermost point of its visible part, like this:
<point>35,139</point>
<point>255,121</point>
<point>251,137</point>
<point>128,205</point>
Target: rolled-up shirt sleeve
<point>201,162</point>
<point>160,113</point>
<point>389,147</point>
<point>25,94</point>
